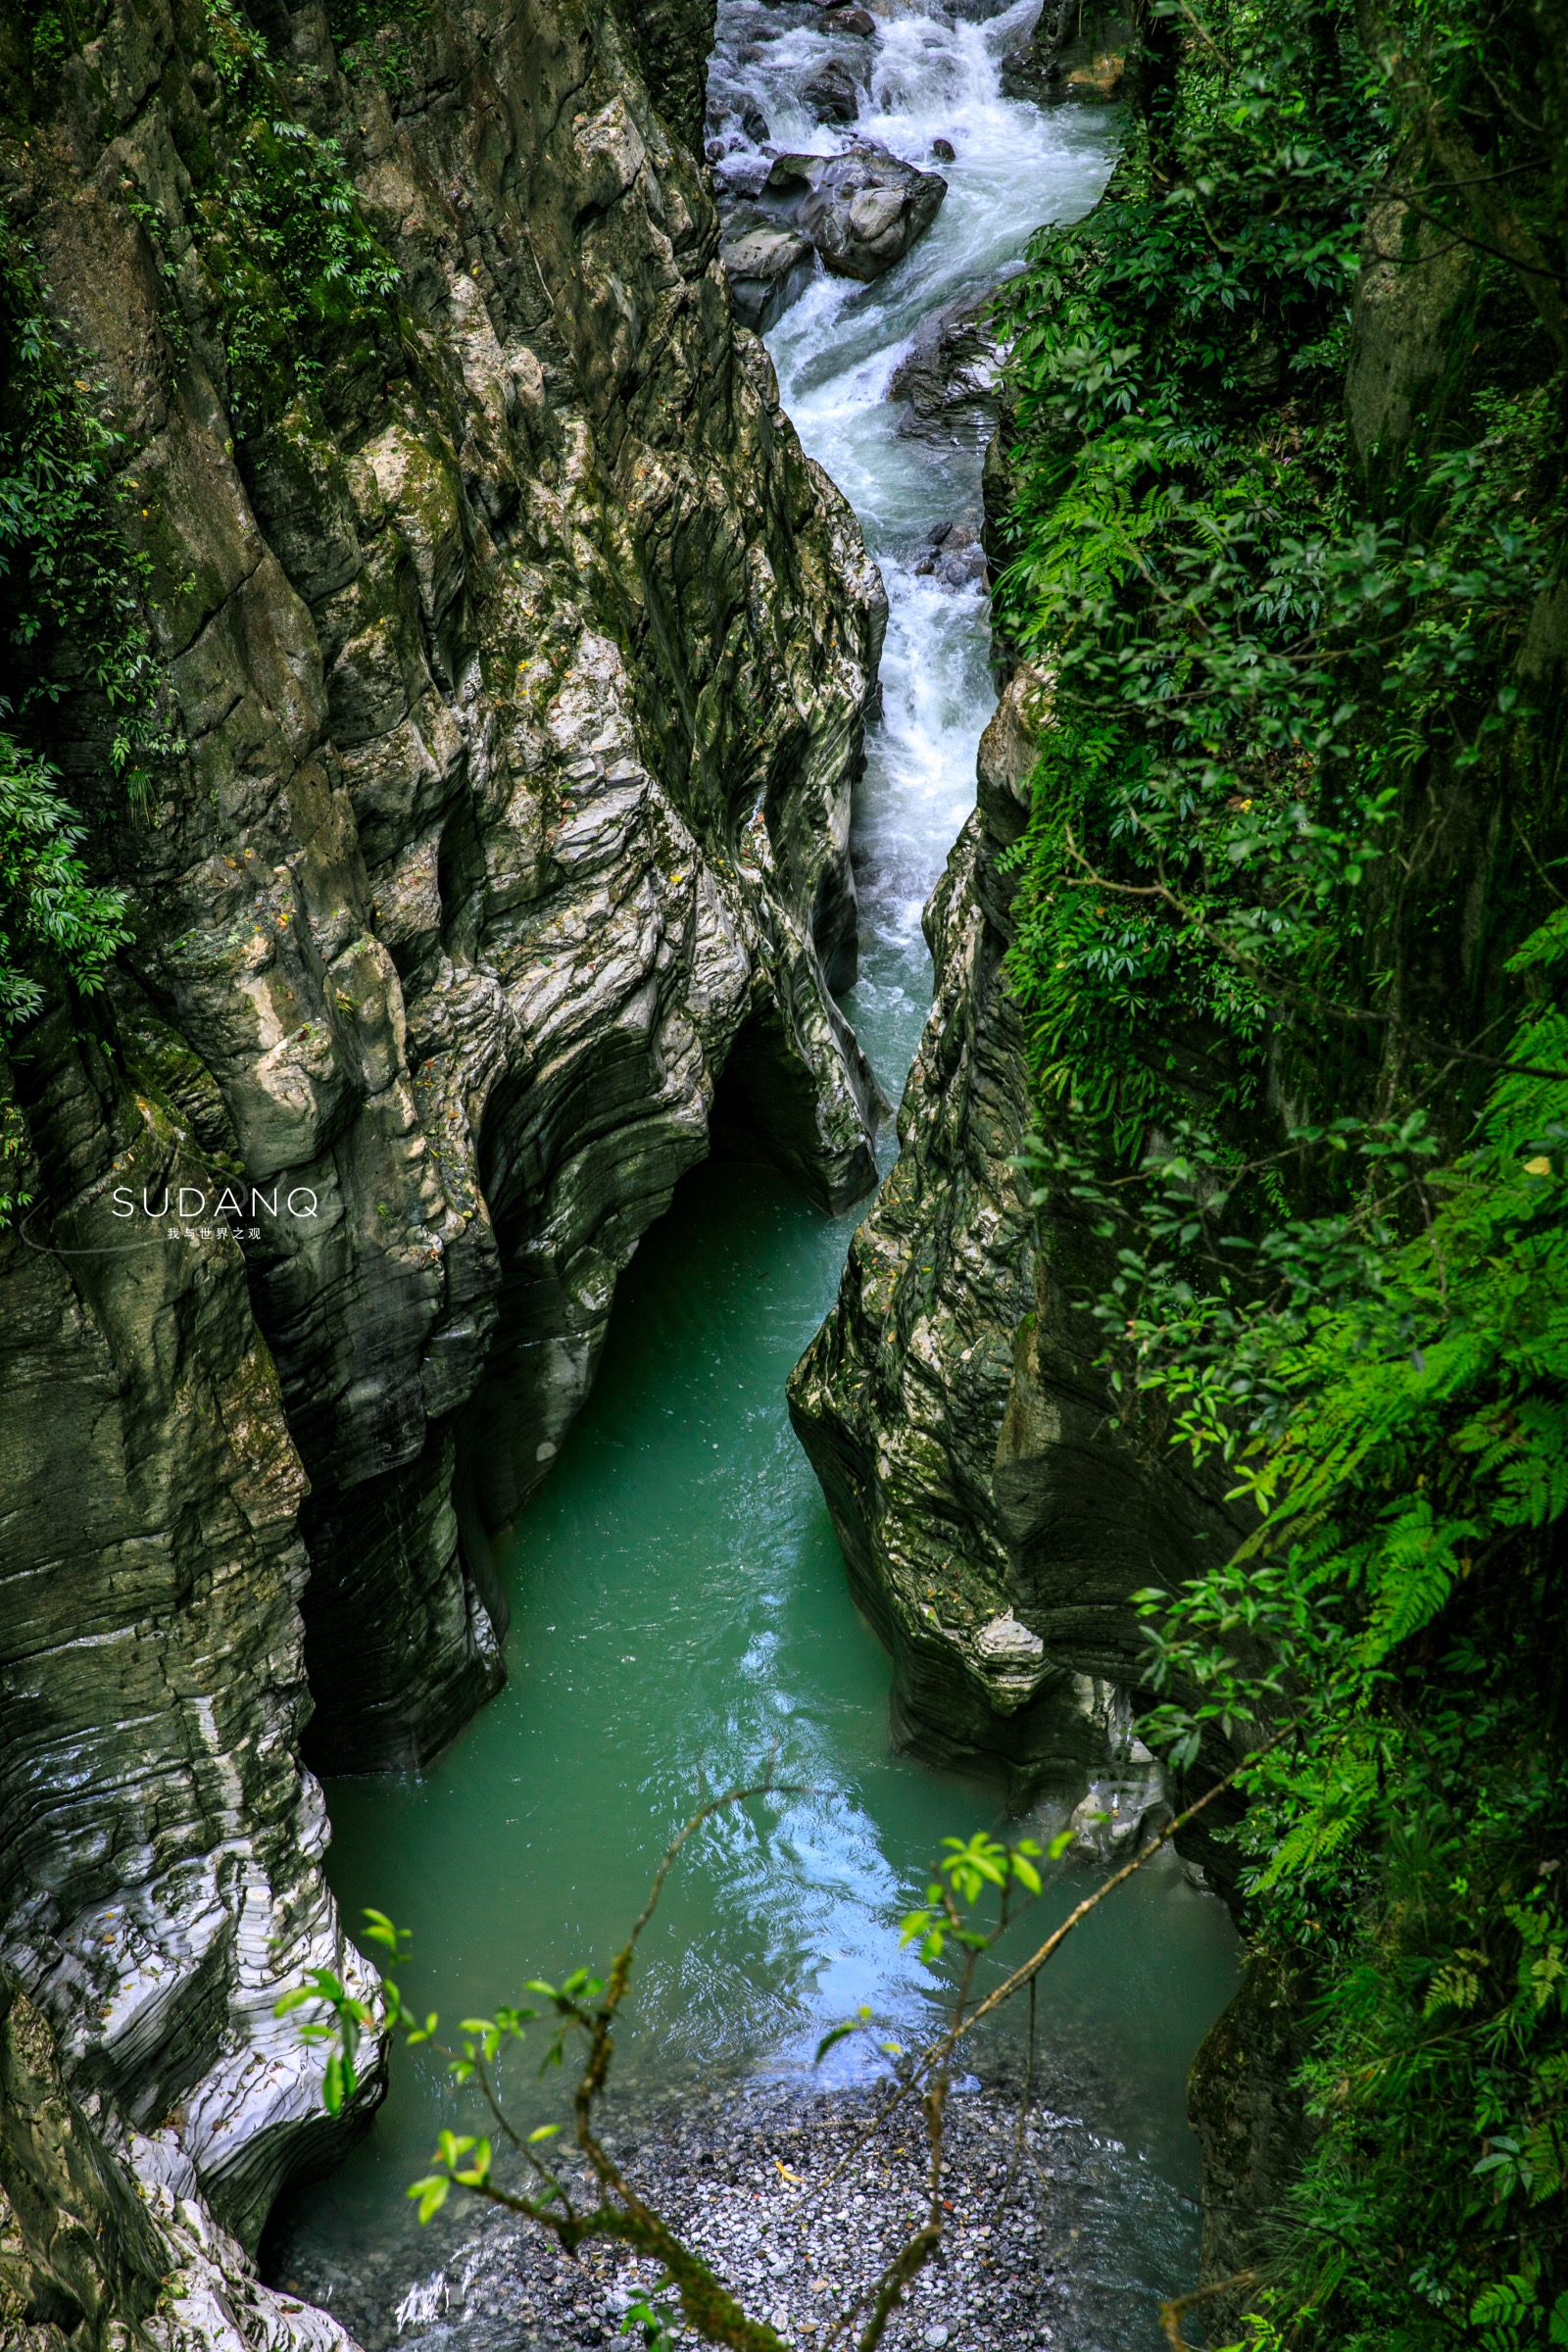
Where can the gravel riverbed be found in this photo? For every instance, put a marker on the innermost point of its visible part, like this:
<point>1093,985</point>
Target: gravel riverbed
<point>1034,2253</point>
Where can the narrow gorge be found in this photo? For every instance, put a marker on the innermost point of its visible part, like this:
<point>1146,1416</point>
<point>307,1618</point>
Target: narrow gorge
<point>630,780</point>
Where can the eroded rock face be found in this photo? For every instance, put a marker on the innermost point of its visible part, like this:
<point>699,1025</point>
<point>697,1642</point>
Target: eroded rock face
<point>1075,52</point>
<point>953,365</point>
<point>100,2246</point>
<point>520,657</point>
<point>994,1519</point>
<point>900,1398</point>
<point>160,1862</point>
<point>1248,2112</point>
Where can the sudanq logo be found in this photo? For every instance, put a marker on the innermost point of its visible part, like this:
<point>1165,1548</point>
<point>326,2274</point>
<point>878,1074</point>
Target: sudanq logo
<point>187,1212</point>
<point>192,1203</point>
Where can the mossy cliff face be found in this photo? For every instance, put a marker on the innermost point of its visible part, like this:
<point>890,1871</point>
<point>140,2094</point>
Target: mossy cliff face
<point>992,1518</point>
<point>519,656</point>
<point>997,1508</point>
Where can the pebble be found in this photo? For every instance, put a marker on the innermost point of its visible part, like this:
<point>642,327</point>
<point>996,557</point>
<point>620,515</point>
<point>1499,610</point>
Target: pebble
<point>1041,2265</point>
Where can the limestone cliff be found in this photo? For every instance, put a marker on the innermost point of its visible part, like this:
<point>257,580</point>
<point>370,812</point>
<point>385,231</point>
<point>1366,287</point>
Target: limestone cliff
<point>99,2255</point>
<point>516,660</point>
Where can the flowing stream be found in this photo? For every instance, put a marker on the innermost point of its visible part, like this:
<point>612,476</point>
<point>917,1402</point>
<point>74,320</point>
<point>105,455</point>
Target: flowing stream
<point>679,1604</point>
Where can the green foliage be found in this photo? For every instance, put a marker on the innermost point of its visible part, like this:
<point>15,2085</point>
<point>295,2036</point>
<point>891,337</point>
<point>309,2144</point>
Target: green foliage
<point>53,920</point>
<point>69,586</point>
<point>297,269</point>
<point>1244,665</point>
<point>1266,673</point>
<point>1406,1586</point>
<point>377,39</point>
<point>69,618</point>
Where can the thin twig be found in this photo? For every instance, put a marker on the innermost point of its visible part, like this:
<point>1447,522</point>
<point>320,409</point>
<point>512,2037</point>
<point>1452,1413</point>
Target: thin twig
<point>1170,2314</point>
<point>938,2052</point>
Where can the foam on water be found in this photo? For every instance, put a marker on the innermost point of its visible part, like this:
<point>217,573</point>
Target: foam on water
<point>933,75</point>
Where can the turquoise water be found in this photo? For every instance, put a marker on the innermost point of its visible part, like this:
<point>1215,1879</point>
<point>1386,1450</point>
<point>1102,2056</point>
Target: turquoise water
<point>681,1610</point>
<point>679,1607</point>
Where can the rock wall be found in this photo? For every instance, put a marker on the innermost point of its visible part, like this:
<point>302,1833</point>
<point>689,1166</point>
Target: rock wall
<point>519,658</point>
<point>99,2254</point>
<point>1076,53</point>
<point>160,1842</point>
<point>994,1518</point>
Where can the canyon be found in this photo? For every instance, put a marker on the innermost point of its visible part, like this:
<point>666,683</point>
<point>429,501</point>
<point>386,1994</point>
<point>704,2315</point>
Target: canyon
<point>571,701</point>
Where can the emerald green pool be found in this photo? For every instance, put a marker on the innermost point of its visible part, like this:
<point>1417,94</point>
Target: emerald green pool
<point>679,1607</point>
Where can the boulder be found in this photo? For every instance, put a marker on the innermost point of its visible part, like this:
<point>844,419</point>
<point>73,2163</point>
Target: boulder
<point>857,20</point>
<point>832,93</point>
<point>1077,50</point>
<point>952,363</point>
<point>1116,1818</point>
<point>954,555</point>
<point>863,210</point>
<point>767,269</point>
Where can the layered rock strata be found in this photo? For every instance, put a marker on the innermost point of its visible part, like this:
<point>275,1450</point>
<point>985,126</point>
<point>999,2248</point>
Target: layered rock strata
<point>518,659</point>
<point>98,2252</point>
<point>160,1840</point>
<point>995,1519</point>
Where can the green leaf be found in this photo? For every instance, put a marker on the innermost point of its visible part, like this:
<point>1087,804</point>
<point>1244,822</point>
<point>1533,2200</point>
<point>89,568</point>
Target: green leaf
<point>431,2192</point>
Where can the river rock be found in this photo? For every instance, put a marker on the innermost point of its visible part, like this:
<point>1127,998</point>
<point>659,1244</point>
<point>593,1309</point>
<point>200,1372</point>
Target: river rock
<point>1116,1817</point>
<point>953,365</point>
<point>832,93</point>
<point>955,556</point>
<point>862,210</point>
<point>767,269</point>
<point>857,20</point>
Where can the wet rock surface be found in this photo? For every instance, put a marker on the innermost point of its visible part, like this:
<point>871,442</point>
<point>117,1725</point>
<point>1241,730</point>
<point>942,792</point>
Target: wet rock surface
<point>833,92</point>
<point>1031,2252</point>
<point>767,269</point>
<point>519,659</point>
<point>955,556</point>
<point>950,373</point>
<point>1075,53</point>
<point>859,206</point>
<point>861,210</point>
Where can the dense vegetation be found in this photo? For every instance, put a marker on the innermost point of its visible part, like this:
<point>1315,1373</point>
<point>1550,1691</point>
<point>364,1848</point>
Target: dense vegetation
<point>272,216</point>
<point>1287,505</point>
<point>66,580</point>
